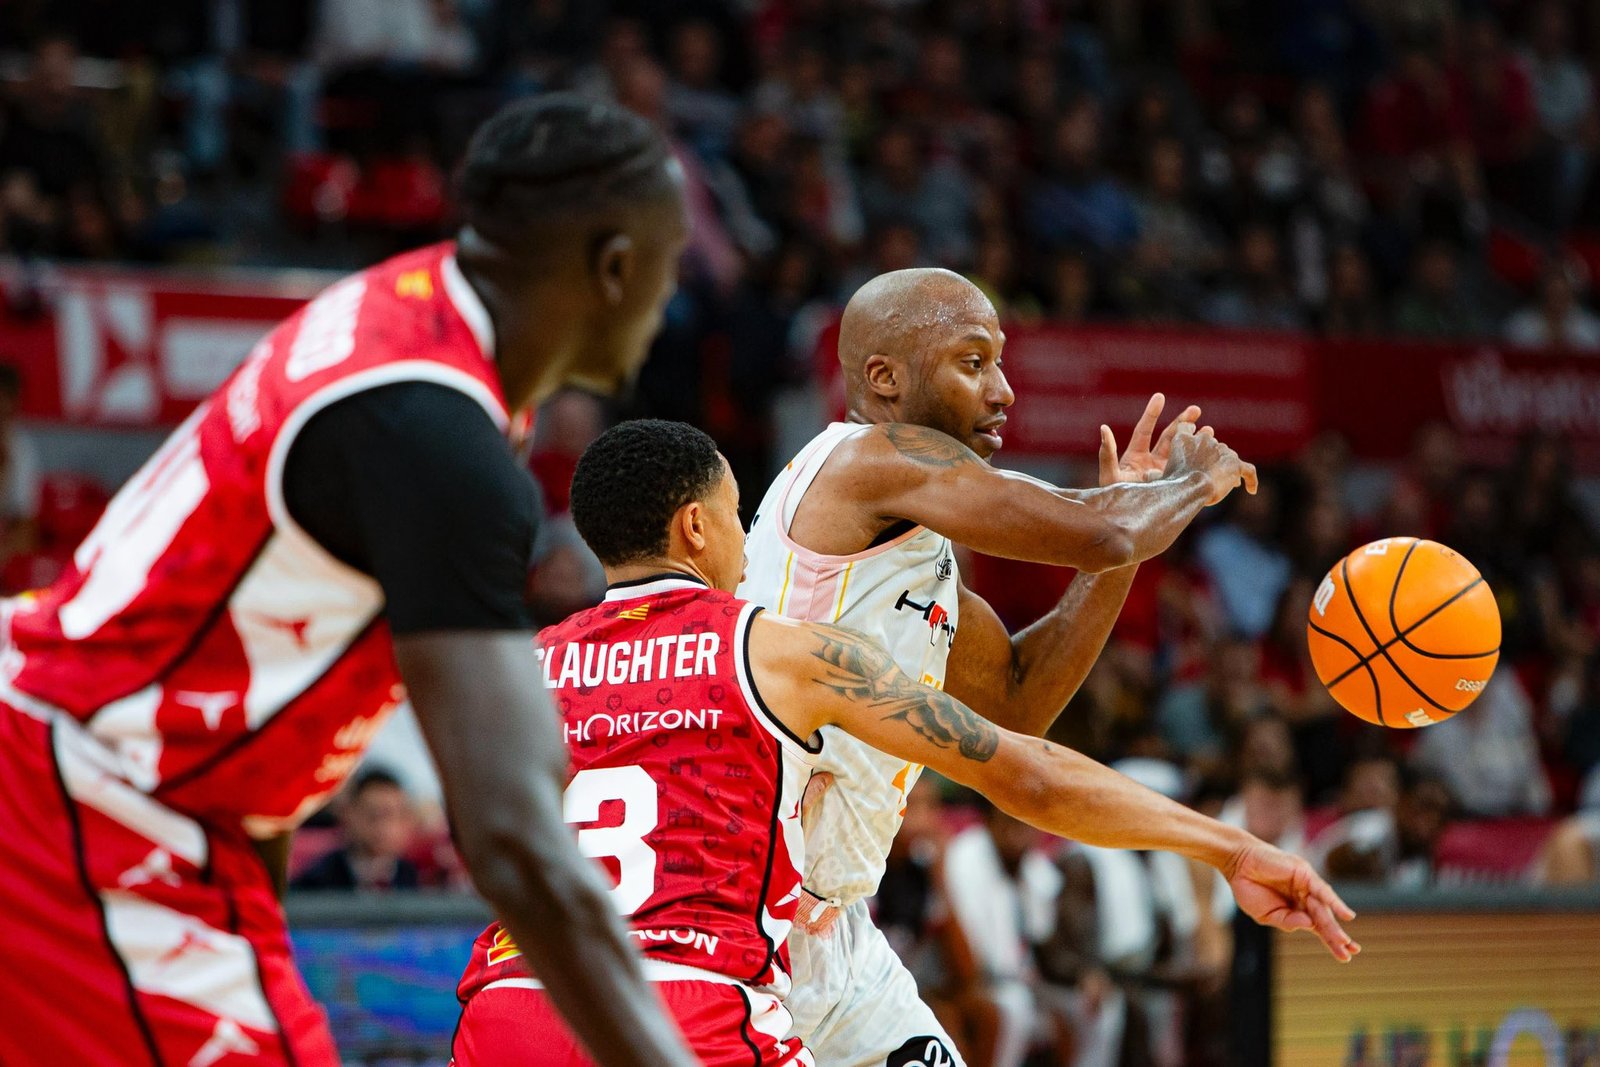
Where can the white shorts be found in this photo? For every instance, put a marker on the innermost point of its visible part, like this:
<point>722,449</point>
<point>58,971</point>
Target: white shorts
<point>855,1004</point>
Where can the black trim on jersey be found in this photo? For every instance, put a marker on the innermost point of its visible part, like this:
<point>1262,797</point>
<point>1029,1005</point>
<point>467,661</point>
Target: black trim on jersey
<point>772,858</point>
<point>201,632</point>
<point>189,773</point>
<point>80,856</point>
<point>661,576</point>
<point>761,704</point>
<point>748,1024</point>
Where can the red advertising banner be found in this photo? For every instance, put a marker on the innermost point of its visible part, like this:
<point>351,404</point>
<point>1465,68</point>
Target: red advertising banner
<point>115,347</point>
<point>135,348</point>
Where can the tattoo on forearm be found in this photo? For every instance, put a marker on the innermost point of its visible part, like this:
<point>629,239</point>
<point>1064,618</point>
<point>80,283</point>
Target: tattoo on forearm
<point>928,446</point>
<point>862,672</point>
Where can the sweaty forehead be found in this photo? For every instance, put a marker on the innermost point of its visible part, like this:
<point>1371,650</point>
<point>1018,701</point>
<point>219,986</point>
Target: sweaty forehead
<point>919,314</point>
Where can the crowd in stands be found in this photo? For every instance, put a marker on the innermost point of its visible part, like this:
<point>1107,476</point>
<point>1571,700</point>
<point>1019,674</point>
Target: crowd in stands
<point>1425,169</point>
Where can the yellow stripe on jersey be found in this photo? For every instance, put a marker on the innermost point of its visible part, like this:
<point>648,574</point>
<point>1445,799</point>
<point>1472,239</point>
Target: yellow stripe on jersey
<point>784,591</point>
<point>844,583</point>
<point>414,283</point>
<point>502,948</point>
<point>640,612</point>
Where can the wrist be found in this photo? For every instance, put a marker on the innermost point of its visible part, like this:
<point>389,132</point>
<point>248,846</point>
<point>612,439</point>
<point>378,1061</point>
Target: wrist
<point>1222,846</point>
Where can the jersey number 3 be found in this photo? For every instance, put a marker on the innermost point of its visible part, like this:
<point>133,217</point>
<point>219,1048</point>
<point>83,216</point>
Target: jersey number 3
<point>636,860</point>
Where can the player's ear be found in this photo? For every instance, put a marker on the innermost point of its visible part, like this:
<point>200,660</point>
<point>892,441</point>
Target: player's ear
<point>691,520</point>
<point>882,376</point>
<point>612,265</point>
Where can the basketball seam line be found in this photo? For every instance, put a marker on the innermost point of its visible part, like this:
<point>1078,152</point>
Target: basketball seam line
<point>1401,635</point>
<point>1360,662</point>
<point>1377,694</point>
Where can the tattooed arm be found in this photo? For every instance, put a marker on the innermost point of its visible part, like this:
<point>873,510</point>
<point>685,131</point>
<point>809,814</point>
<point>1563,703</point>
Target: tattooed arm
<point>899,472</point>
<point>811,675</point>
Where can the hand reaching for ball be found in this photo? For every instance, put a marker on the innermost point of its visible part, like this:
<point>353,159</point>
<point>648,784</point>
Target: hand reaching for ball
<point>1199,450</point>
<point>1282,891</point>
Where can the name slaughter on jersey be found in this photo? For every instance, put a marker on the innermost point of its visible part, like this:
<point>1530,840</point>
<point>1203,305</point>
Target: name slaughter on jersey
<point>645,660</point>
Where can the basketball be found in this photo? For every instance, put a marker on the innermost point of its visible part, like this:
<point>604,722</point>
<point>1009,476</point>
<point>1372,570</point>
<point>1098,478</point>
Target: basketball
<point>1404,632</point>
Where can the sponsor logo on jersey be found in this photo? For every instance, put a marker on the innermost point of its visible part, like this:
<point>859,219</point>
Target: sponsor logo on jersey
<point>943,568</point>
<point>502,948</point>
<point>639,613</point>
<point>925,1051</point>
<point>934,614</point>
<point>701,942</point>
<point>601,725</point>
<point>417,284</point>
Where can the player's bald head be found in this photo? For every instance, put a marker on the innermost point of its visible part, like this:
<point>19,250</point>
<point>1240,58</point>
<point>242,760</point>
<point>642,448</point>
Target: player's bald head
<point>904,314</point>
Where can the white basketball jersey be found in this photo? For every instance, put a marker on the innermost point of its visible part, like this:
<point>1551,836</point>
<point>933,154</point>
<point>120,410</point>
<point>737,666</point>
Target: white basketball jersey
<point>902,594</point>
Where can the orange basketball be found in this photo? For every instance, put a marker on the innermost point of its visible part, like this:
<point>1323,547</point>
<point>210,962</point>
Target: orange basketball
<point>1404,632</point>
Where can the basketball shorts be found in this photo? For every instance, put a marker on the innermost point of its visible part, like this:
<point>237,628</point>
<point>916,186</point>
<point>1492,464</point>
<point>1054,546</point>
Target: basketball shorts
<point>131,935</point>
<point>855,1004</point>
<point>513,1023</point>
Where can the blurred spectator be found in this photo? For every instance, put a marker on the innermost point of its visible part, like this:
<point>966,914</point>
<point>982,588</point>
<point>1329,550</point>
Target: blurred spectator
<point>54,176</point>
<point>1571,855</point>
<point>1435,306</point>
<point>702,110</point>
<point>907,906</point>
<point>903,184</point>
<point>1563,100</point>
<point>379,826</point>
<point>566,577</point>
<point>995,271</point>
<point>1352,308</point>
<point>1075,297</point>
<point>1256,295</point>
<point>1269,805</point>
<point>1197,719</point>
<point>257,62</point>
<point>1077,202</point>
<point>1176,252</point>
<point>1371,782</point>
<point>1001,892</point>
<point>801,92</point>
<point>1243,561</point>
<point>1132,929</point>
<point>1496,98</point>
<point>1487,754</point>
<point>1557,320</point>
<point>1391,846</point>
<point>19,472</point>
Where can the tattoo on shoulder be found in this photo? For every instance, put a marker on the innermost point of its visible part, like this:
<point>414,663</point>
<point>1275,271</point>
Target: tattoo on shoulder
<point>929,447</point>
<point>862,672</point>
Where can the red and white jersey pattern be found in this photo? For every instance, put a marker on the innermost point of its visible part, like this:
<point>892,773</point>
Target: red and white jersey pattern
<point>230,666</point>
<point>684,786</point>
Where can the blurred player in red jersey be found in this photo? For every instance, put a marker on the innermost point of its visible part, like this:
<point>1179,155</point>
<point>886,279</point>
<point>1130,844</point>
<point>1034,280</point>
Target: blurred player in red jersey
<point>342,524</point>
<point>694,720</point>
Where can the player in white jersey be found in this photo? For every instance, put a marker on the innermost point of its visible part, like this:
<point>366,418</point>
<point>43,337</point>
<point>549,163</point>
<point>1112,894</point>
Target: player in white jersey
<point>858,530</point>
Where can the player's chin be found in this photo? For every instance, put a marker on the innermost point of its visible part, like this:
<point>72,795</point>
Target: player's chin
<point>985,443</point>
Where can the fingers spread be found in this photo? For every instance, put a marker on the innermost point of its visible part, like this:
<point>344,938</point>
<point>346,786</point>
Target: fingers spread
<point>1140,440</point>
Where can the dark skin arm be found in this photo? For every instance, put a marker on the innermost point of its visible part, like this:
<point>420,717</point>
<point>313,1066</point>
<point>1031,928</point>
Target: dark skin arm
<point>274,853</point>
<point>815,675</point>
<point>898,473</point>
<point>1022,681</point>
<point>493,733</point>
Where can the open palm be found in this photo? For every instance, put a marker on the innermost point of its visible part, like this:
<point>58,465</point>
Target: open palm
<point>1142,461</point>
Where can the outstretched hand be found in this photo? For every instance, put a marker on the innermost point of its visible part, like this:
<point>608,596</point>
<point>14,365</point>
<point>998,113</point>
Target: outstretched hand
<point>1142,461</point>
<point>1282,891</point>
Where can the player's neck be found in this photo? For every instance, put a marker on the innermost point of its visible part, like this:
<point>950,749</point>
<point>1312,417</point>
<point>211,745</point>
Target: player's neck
<point>531,357</point>
<point>632,572</point>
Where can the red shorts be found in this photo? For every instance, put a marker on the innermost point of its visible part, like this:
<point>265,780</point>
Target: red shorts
<point>130,933</point>
<point>513,1022</point>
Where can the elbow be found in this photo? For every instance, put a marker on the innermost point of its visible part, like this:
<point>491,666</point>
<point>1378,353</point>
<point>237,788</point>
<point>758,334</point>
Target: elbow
<point>528,878</point>
<point>1114,547</point>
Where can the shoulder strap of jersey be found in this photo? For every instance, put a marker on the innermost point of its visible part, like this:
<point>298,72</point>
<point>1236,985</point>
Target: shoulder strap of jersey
<point>808,465</point>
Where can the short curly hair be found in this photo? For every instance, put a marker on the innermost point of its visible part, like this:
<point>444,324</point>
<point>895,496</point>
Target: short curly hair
<point>633,479</point>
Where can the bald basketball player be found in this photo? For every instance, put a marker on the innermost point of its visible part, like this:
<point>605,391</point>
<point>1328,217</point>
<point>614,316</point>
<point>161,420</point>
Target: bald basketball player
<point>859,530</point>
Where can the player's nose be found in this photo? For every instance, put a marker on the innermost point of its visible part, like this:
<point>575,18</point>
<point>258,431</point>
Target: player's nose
<point>1000,394</point>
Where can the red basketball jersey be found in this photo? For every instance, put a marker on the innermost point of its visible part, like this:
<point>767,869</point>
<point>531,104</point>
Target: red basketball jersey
<point>684,786</point>
<point>231,666</point>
